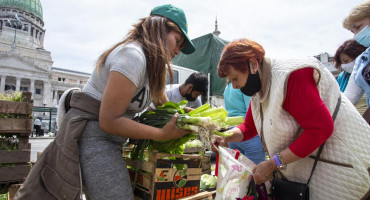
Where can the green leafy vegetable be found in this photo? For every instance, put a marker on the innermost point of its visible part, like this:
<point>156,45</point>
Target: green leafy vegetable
<point>233,121</point>
<point>15,96</point>
<point>208,181</point>
<point>223,134</point>
<point>193,143</point>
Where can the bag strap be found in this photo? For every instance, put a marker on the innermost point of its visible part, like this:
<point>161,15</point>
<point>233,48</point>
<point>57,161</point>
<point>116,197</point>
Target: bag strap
<point>252,188</point>
<point>217,160</point>
<point>322,146</point>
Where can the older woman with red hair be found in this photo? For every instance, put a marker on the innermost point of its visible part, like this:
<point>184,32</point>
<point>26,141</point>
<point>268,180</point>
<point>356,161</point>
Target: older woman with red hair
<point>291,108</point>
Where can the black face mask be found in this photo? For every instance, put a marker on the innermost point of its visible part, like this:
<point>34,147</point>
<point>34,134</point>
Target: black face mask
<point>253,84</point>
<point>189,97</point>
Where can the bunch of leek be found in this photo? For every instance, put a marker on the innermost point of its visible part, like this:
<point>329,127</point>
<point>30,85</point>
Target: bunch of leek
<point>204,121</point>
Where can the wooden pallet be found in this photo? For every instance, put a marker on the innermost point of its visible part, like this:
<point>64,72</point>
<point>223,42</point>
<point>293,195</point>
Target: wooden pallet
<point>18,168</point>
<point>16,163</point>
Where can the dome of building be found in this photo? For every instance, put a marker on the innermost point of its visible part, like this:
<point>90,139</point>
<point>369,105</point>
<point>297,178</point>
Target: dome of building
<point>30,6</point>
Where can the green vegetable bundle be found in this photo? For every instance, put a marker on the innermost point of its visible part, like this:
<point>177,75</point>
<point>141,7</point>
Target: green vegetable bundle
<point>204,121</point>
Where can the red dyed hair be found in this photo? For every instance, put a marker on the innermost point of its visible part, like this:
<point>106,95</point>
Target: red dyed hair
<point>237,54</point>
<point>351,48</point>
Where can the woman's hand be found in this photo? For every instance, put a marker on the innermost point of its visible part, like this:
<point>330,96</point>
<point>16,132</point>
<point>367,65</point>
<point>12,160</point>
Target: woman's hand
<point>216,141</point>
<point>263,171</point>
<point>222,141</point>
<point>188,109</point>
<point>171,131</point>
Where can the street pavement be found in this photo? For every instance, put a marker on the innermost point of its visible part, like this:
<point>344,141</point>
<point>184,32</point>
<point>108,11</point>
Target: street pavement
<point>38,144</point>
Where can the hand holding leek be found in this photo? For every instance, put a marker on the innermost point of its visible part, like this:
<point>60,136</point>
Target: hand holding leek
<point>171,131</point>
<point>237,136</point>
<point>204,121</point>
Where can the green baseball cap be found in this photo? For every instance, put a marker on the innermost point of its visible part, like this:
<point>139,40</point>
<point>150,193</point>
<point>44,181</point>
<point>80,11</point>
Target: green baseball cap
<point>176,15</point>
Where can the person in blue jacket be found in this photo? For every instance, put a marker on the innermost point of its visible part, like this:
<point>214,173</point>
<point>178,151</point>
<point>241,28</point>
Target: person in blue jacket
<point>236,104</point>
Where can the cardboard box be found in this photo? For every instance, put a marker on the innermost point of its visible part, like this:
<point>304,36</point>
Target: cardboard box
<point>161,178</point>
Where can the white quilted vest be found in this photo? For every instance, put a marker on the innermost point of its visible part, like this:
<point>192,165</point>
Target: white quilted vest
<point>342,171</point>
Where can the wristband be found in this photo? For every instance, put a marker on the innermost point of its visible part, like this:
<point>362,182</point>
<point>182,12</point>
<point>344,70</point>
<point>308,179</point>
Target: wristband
<point>278,161</point>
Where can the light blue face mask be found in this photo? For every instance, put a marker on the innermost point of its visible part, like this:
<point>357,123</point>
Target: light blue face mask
<point>363,37</point>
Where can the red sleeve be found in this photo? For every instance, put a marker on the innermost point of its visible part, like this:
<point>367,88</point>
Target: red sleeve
<point>303,102</point>
<point>248,128</point>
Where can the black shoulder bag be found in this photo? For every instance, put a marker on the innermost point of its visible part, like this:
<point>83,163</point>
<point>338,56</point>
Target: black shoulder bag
<point>289,190</point>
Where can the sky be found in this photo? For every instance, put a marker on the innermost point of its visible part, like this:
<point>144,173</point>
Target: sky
<point>78,31</point>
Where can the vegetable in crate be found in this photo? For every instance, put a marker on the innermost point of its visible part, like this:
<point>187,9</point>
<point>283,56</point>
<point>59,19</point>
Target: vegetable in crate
<point>193,144</point>
<point>208,181</point>
<point>14,97</point>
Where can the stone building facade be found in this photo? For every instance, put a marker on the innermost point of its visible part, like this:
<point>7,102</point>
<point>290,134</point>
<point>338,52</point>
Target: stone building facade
<point>24,63</point>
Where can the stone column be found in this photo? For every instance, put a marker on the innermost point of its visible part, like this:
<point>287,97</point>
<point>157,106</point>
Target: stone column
<point>53,95</point>
<point>32,88</point>
<point>2,84</point>
<point>55,98</point>
<point>47,93</point>
<point>18,84</point>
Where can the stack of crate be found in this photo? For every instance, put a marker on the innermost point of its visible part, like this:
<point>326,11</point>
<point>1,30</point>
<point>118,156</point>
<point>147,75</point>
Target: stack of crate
<point>15,125</point>
<point>161,178</point>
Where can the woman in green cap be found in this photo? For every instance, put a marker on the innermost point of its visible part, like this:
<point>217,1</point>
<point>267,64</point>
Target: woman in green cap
<point>127,78</point>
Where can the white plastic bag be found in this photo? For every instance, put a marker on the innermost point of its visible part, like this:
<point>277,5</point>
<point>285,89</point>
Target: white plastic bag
<point>234,174</point>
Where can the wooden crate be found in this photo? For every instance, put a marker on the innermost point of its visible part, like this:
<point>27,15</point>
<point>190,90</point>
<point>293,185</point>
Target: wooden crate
<point>206,164</point>
<point>159,179</point>
<point>206,160</point>
<point>15,163</point>
<point>193,150</point>
<point>21,125</point>
<point>201,196</point>
<point>16,126</point>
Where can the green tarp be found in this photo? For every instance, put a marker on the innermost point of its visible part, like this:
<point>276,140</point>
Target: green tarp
<point>205,59</point>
